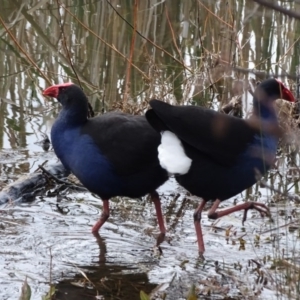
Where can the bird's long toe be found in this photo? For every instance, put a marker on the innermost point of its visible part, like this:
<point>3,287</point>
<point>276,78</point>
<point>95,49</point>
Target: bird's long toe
<point>260,207</point>
<point>160,238</point>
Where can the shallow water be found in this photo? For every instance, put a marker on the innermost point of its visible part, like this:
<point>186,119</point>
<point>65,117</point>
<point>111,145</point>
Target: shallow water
<point>49,241</point>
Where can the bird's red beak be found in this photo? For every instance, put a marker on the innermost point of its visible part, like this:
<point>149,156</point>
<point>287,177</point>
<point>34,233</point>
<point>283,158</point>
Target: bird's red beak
<point>53,91</point>
<point>287,95</point>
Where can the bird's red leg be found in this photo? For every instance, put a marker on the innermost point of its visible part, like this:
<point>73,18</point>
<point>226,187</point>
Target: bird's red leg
<point>156,200</point>
<point>260,207</point>
<point>104,216</point>
<point>160,219</point>
<point>197,219</point>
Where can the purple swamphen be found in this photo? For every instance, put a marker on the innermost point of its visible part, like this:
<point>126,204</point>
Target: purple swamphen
<point>114,154</point>
<point>216,156</point>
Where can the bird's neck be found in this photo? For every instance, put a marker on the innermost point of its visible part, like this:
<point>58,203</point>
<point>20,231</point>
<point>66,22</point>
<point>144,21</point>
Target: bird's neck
<point>73,116</point>
<point>264,110</point>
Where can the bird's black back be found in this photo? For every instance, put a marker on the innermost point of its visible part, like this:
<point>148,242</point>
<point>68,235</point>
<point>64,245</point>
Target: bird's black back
<point>217,136</point>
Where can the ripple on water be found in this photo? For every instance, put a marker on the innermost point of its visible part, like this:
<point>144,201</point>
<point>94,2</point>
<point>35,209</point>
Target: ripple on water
<point>122,258</point>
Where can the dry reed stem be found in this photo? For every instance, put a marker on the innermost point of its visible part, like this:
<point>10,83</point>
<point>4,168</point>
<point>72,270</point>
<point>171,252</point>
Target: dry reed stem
<point>214,14</point>
<point>64,40</point>
<point>24,52</point>
<point>272,4</point>
<point>128,69</point>
<point>173,34</point>
<point>289,49</point>
<point>151,42</point>
<point>103,41</point>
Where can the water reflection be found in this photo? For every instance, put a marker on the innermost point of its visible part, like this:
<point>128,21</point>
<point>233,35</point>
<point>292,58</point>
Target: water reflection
<point>108,280</point>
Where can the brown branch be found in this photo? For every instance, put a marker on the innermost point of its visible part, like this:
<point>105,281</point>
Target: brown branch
<point>64,40</point>
<point>23,51</point>
<point>102,40</point>
<point>203,49</point>
<point>40,33</point>
<point>279,227</point>
<point>172,31</point>
<point>148,40</point>
<point>77,186</point>
<point>289,49</point>
<point>215,15</point>
<point>259,178</point>
<point>128,70</point>
<point>272,4</point>
<point>261,73</point>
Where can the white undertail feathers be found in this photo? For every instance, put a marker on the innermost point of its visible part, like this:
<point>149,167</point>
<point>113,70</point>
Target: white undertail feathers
<point>171,154</point>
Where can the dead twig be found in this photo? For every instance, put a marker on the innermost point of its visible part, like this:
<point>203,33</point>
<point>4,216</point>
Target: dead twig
<point>148,40</point>
<point>77,186</point>
<point>64,40</point>
<point>272,4</point>
<point>295,223</point>
<point>23,51</point>
<point>173,34</point>
<point>271,188</point>
<point>103,41</point>
<point>129,63</point>
<point>222,21</point>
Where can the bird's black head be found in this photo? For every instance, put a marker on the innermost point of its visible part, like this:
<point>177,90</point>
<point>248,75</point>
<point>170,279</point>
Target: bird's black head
<point>68,94</point>
<point>272,89</point>
<point>73,101</point>
<point>265,95</point>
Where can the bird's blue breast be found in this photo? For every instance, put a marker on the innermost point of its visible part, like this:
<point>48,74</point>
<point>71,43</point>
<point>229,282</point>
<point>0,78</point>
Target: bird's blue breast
<point>80,154</point>
<point>261,152</point>
<point>253,163</point>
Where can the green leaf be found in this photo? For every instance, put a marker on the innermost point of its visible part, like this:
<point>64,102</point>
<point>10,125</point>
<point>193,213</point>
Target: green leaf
<point>144,296</point>
<point>51,293</point>
<point>26,291</point>
<point>192,294</point>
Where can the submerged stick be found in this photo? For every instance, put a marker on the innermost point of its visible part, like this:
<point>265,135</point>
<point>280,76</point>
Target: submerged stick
<point>26,187</point>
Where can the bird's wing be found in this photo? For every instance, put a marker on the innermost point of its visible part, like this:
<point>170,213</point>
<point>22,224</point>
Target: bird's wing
<point>127,141</point>
<point>218,136</point>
